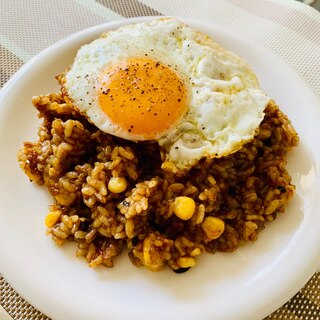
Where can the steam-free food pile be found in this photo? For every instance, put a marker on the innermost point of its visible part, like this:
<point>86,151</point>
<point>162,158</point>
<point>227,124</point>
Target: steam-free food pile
<point>160,141</point>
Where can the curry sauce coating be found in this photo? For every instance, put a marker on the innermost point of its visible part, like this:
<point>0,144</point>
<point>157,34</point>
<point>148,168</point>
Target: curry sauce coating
<point>76,161</point>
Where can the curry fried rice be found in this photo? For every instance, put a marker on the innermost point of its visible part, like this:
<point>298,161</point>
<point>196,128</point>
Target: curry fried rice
<point>110,193</point>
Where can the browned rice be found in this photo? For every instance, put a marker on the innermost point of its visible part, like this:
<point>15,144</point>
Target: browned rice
<point>75,161</point>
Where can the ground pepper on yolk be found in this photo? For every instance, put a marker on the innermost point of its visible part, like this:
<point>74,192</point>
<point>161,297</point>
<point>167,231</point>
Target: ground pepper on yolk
<point>143,96</point>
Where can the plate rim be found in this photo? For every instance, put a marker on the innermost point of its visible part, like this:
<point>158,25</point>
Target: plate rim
<point>117,23</point>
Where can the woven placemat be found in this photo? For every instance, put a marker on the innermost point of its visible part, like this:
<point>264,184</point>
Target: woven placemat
<point>24,26</point>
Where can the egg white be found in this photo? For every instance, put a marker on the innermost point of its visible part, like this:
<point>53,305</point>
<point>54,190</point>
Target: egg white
<point>226,103</point>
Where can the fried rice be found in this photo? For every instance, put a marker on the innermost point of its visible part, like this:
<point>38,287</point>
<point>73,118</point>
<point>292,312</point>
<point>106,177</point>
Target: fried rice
<point>76,161</point>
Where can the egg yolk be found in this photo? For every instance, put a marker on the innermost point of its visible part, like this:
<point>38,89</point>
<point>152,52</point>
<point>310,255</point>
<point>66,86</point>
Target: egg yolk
<point>142,96</point>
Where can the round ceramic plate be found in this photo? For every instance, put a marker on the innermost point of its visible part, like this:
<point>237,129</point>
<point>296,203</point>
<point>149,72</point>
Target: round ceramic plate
<point>247,284</point>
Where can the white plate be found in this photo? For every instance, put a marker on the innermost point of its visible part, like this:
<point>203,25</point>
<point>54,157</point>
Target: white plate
<point>247,284</point>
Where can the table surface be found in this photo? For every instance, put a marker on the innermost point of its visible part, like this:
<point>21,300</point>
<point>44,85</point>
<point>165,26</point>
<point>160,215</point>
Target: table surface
<point>289,28</point>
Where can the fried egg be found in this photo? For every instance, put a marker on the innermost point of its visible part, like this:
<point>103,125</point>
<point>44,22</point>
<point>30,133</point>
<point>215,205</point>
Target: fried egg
<point>164,81</point>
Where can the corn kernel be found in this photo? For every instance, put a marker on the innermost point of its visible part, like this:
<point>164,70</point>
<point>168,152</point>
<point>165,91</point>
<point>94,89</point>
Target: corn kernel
<point>186,262</point>
<point>213,227</point>
<point>195,252</point>
<point>117,184</point>
<point>52,218</point>
<point>184,207</point>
